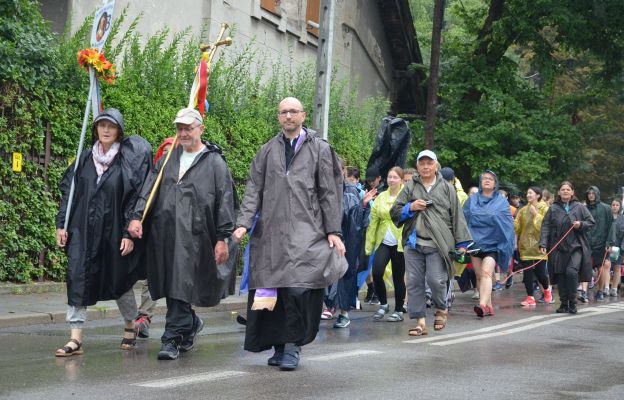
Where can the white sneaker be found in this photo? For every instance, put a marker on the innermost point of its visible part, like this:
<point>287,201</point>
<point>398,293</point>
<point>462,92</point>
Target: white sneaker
<point>475,296</point>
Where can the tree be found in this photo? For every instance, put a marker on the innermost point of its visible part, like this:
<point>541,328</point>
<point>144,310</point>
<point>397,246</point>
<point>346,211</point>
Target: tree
<point>503,103</point>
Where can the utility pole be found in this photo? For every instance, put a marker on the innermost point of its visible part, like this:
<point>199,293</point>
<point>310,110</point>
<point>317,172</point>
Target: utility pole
<point>434,68</point>
<point>324,67</point>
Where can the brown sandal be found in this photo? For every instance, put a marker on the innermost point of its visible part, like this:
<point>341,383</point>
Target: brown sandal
<point>67,351</point>
<point>128,343</point>
<point>419,330</point>
<point>441,316</point>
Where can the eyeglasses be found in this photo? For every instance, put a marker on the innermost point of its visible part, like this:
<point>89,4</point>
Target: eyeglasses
<point>186,129</point>
<point>293,113</point>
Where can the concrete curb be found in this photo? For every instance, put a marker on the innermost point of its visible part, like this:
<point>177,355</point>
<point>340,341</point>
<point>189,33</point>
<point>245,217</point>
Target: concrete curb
<point>25,315</point>
<point>34,287</point>
<point>97,313</point>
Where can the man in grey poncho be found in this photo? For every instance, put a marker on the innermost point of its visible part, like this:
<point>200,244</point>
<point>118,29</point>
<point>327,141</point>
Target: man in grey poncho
<point>295,185</point>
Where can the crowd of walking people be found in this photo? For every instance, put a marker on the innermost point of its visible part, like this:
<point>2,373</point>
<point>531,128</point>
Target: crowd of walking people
<point>315,236</point>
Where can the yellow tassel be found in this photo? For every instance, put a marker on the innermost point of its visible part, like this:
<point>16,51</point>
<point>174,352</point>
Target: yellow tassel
<point>264,302</point>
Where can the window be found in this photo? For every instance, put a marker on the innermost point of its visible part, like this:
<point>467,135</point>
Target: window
<point>270,6</point>
<point>313,13</point>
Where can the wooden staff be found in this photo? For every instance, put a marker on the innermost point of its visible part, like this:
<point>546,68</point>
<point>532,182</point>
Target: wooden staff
<point>208,51</point>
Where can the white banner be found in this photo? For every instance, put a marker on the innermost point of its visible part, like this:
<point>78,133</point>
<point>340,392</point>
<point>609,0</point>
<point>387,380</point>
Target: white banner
<point>102,25</point>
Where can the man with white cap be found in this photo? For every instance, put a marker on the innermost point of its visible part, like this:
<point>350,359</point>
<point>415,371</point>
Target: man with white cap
<point>433,225</point>
<point>186,231</point>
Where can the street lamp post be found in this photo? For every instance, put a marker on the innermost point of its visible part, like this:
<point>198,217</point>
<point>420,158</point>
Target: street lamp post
<point>324,67</point>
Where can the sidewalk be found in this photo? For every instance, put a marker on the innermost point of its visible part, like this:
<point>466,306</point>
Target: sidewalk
<point>47,303</point>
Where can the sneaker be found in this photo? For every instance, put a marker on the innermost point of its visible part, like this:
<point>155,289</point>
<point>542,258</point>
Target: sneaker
<point>599,296</point>
<point>141,326</point>
<point>572,309</point>
<point>378,316</point>
<point>343,321</point>
<point>450,300</point>
<point>428,303</point>
<point>396,316</point>
<point>168,351</point>
<point>326,314</point>
<point>480,310</point>
<point>404,309</point>
<point>497,286</point>
<point>509,282</point>
<point>592,283</point>
<point>374,300</point>
<point>548,297</point>
<point>613,292</point>
<point>529,301</point>
<point>189,342</point>
<point>583,297</point>
<point>563,309</point>
<point>475,296</point>
<point>369,294</point>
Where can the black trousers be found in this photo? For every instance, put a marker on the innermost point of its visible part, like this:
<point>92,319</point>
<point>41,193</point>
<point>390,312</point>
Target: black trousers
<point>383,254</point>
<point>568,281</point>
<point>178,321</point>
<point>538,272</point>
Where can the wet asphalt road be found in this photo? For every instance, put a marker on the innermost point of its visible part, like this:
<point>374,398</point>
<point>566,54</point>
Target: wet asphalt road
<point>518,354</point>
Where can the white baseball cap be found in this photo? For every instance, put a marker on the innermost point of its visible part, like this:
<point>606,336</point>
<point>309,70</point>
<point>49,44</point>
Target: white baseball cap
<point>427,153</point>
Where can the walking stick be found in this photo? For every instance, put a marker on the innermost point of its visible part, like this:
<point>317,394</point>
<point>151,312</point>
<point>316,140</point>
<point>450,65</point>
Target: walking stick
<point>208,53</point>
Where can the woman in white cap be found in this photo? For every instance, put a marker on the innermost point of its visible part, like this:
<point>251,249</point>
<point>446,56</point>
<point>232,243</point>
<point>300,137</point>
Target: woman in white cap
<point>101,259</point>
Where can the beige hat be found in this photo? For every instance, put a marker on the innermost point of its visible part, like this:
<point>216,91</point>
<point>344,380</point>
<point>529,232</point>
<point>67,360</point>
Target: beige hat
<point>187,116</point>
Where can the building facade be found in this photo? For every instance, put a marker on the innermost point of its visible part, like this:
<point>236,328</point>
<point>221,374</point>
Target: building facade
<point>374,40</point>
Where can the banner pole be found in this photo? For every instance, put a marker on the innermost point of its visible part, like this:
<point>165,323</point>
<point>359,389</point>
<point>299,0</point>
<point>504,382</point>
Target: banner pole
<point>80,145</point>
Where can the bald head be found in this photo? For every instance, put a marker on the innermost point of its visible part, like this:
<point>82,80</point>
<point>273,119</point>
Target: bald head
<point>291,116</point>
<point>290,103</point>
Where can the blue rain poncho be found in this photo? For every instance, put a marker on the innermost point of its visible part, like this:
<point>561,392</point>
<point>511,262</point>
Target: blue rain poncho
<point>491,224</point>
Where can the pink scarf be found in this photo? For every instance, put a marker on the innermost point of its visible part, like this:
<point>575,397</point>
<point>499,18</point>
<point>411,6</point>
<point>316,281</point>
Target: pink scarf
<point>103,160</point>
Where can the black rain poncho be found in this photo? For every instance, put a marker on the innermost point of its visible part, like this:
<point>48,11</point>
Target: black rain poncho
<point>557,222</point>
<point>99,220</point>
<point>185,222</point>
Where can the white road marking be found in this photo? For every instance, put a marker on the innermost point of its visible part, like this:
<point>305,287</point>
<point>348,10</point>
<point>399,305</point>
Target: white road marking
<point>552,318</point>
<point>481,330</point>
<point>527,327</point>
<point>342,354</point>
<point>190,379</point>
